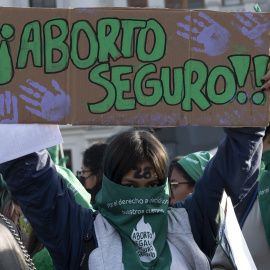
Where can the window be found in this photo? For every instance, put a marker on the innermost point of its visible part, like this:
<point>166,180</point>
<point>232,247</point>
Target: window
<point>177,4</point>
<point>185,4</point>
<point>42,3</point>
<point>137,3</point>
<point>226,3</point>
<point>193,4</point>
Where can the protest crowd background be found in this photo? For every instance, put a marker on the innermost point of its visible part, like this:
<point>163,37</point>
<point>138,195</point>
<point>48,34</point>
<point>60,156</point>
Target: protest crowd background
<point>67,188</point>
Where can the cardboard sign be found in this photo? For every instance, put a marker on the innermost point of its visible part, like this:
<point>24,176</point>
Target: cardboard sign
<point>145,67</point>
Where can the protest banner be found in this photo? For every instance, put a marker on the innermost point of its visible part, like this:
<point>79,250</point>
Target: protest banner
<point>132,66</point>
<point>230,237</point>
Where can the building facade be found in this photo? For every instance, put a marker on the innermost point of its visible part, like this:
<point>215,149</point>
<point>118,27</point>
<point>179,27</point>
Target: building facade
<point>218,5</point>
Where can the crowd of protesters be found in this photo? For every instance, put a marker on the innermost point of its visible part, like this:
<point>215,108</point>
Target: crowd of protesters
<point>127,223</point>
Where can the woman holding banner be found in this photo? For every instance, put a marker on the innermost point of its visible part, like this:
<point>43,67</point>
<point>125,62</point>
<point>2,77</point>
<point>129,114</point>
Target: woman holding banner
<point>134,228</point>
<point>253,218</point>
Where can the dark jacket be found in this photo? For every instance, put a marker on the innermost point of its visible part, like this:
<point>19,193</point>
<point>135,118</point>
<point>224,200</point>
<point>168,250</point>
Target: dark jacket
<point>61,224</point>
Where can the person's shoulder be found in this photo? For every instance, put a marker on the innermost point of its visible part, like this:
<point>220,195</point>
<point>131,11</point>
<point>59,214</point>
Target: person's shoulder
<point>9,224</point>
<point>12,254</point>
<point>185,203</point>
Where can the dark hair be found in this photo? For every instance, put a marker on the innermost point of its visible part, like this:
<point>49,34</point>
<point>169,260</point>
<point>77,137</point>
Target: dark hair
<point>93,157</point>
<point>131,148</point>
<point>175,165</point>
<point>33,245</point>
<point>9,210</point>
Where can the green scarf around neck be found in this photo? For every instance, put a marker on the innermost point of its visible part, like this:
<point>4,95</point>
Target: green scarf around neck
<point>140,217</point>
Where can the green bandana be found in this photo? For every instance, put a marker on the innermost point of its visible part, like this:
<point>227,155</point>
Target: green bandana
<point>140,217</point>
<point>257,8</point>
<point>264,202</point>
<point>195,163</point>
<point>54,153</point>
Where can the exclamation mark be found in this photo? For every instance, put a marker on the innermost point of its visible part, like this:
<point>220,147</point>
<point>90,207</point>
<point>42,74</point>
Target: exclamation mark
<point>260,63</point>
<point>6,65</point>
<point>241,66</point>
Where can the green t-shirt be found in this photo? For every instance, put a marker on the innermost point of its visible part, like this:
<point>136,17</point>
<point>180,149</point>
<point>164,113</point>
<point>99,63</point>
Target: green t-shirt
<point>42,260</point>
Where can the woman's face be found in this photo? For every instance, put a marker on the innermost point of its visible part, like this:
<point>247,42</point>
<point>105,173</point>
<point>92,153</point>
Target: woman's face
<point>90,178</point>
<point>142,175</point>
<point>179,188</point>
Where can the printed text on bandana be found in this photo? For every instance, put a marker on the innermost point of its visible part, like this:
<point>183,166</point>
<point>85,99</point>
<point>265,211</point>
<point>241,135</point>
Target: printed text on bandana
<point>143,238</point>
<point>136,201</point>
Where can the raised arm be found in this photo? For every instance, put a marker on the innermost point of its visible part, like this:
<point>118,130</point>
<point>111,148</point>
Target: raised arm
<point>59,222</point>
<point>235,168</point>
